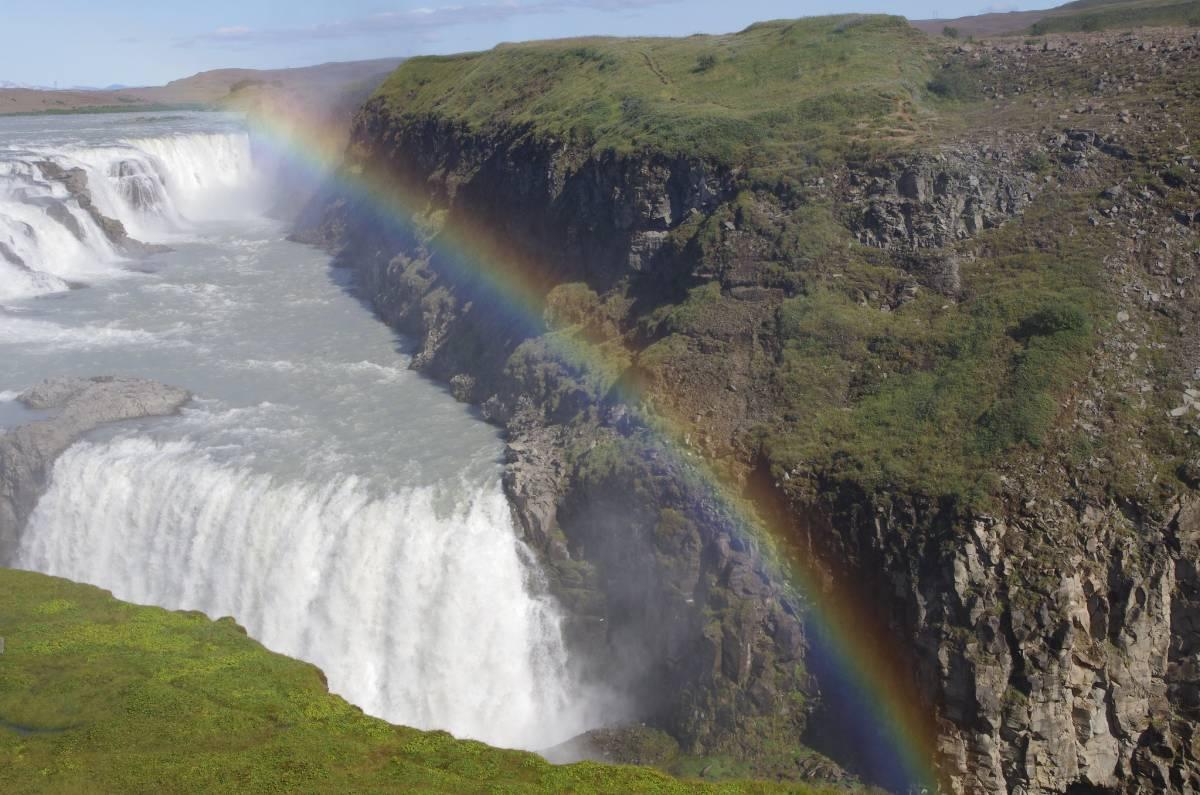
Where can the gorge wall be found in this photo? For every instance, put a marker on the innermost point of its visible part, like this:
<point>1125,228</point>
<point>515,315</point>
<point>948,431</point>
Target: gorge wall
<point>1039,581</point>
<point>670,603</point>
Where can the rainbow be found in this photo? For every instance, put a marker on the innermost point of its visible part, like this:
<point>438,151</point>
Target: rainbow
<point>893,725</point>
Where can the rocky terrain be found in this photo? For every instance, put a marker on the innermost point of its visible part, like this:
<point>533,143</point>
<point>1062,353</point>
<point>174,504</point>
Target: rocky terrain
<point>27,452</point>
<point>941,347</point>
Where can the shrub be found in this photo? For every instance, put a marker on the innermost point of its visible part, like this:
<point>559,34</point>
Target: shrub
<point>953,82</point>
<point>949,32</point>
<point>1063,318</point>
<point>1037,162</point>
<point>1176,176</point>
<point>705,62</point>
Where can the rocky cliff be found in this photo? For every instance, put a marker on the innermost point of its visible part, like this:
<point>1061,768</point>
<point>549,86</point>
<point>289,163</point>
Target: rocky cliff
<point>953,373</point>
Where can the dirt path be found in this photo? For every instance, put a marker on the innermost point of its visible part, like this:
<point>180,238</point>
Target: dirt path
<point>666,81</point>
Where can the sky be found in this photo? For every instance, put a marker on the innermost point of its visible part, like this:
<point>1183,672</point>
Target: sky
<point>149,42</point>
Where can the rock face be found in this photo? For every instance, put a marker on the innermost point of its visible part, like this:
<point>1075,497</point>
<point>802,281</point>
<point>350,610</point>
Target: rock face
<point>27,453</point>
<point>930,201</point>
<point>1054,638</point>
<point>1061,647</point>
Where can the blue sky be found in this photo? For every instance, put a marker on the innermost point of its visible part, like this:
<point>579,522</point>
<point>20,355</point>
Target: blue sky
<point>145,42</point>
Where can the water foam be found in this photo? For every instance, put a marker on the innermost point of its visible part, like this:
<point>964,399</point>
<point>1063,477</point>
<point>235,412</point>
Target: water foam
<point>27,331</point>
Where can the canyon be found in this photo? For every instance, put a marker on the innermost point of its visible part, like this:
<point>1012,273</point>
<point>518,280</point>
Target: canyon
<point>813,404</point>
<point>1044,613</point>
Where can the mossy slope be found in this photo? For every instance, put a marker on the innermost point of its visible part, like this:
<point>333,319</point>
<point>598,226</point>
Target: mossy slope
<point>101,695</point>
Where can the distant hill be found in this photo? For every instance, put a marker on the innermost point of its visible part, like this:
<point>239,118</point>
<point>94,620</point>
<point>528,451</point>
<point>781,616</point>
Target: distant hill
<point>1082,15</point>
<point>215,85</point>
<point>320,83</point>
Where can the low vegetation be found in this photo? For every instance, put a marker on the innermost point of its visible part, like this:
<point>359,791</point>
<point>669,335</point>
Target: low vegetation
<point>890,390</point>
<point>100,695</point>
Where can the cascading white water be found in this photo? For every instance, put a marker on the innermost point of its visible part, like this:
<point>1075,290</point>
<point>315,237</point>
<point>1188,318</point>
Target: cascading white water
<point>155,186</point>
<point>46,240</point>
<point>414,604</point>
<point>337,505</point>
<point>202,176</point>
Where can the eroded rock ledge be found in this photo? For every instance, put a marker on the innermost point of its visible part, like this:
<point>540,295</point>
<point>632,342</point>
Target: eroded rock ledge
<point>27,453</point>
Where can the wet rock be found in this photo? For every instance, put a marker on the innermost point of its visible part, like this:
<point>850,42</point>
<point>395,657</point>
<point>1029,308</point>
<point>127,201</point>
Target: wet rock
<point>11,257</point>
<point>75,180</point>
<point>139,188</point>
<point>59,212</point>
<point>28,452</point>
<point>626,745</point>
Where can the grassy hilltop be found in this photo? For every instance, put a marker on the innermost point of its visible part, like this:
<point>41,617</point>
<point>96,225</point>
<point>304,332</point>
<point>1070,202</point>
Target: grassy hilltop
<point>772,96</point>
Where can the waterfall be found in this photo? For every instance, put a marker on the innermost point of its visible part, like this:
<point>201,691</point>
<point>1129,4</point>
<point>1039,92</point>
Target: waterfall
<point>157,187</point>
<point>415,604</point>
<point>47,242</point>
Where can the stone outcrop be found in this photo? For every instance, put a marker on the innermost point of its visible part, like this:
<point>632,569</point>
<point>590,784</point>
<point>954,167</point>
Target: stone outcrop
<point>933,200</point>
<point>27,453</point>
<point>1060,643</point>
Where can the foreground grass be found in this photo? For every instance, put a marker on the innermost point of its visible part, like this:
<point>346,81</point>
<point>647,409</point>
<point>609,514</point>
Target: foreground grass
<point>100,695</point>
<point>775,96</point>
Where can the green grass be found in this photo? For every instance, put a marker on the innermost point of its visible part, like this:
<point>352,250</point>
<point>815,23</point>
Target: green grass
<point>772,97</point>
<point>1095,15</point>
<point>100,695</point>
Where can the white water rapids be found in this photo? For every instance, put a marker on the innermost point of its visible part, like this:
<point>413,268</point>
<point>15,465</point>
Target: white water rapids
<point>340,507</point>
